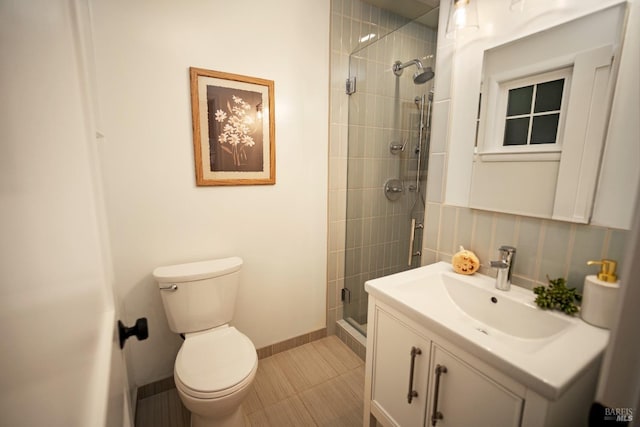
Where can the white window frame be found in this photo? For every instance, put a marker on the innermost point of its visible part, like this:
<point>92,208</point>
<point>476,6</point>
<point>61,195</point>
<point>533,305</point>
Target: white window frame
<point>496,142</point>
<point>495,115</point>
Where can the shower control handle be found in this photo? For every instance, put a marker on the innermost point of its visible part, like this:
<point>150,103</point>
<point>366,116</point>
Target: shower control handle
<point>393,189</point>
<point>397,147</point>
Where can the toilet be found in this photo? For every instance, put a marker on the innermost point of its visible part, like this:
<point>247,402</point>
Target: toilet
<point>216,364</point>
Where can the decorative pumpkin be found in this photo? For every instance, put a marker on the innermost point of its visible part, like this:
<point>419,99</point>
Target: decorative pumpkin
<point>465,262</point>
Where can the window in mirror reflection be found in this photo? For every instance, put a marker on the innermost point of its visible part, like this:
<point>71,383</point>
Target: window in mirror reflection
<point>533,112</point>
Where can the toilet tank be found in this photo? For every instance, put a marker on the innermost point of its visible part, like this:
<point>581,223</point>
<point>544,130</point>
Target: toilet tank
<point>199,295</point>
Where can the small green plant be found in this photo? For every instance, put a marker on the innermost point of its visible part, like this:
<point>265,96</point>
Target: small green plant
<point>557,296</point>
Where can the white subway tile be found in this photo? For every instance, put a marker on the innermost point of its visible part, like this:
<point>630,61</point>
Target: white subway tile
<point>435,177</point>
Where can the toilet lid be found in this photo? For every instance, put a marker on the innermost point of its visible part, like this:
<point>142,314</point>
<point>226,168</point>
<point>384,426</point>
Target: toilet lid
<point>216,360</point>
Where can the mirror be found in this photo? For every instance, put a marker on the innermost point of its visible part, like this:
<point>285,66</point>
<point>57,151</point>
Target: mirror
<point>543,145</point>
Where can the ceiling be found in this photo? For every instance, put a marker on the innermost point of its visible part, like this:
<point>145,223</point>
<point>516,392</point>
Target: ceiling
<point>411,9</point>
<point>408,8</point>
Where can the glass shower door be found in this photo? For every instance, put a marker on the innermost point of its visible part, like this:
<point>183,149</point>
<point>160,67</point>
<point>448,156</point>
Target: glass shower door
<point>387,161</point>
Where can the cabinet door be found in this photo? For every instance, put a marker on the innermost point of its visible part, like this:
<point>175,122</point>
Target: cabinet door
<point>465,397</point>
<point>392,361</point>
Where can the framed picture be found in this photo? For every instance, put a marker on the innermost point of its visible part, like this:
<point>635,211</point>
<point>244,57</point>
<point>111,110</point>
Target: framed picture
<point>233,128</point>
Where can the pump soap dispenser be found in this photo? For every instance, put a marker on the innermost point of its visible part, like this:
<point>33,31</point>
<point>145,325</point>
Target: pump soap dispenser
<point>600,295</point>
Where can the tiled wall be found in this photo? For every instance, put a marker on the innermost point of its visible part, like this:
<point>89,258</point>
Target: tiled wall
<point>372,121</point>
<point>544,247</point>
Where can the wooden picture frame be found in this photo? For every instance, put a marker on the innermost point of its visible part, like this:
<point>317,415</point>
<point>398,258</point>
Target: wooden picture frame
<point>233,128</point>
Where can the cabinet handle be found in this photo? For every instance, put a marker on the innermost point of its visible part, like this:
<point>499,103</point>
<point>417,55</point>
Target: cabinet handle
<point>415,351</point>
<point>437,415</point>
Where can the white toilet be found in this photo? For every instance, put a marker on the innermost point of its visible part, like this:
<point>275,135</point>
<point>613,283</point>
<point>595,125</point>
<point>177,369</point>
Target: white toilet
<point>216,364</point>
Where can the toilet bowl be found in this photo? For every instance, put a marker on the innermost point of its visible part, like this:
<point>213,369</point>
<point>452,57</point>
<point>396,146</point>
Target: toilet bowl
<point>213,373</point>
<point>216,364</point>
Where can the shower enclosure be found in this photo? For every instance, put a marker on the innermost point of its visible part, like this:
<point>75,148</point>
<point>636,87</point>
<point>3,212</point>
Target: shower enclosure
<point>390,85</point>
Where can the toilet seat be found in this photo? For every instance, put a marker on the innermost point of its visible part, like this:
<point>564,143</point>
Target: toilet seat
<point>215,363</point>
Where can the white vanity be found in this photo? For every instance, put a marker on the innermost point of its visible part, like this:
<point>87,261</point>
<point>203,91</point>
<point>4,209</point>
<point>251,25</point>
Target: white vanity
<point>450,350</point>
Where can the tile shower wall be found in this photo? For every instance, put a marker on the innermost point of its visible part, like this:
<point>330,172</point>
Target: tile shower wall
<point>350,21</point>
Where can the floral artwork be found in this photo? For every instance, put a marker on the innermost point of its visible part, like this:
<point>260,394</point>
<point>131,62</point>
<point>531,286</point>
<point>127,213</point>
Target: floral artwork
<point>237,127</point>
<point>234,130</point>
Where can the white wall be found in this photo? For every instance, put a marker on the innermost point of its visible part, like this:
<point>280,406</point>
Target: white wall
<point>157,215</point>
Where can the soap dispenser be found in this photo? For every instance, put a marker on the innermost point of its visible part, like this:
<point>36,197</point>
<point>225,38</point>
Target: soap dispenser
<point>600,295</point>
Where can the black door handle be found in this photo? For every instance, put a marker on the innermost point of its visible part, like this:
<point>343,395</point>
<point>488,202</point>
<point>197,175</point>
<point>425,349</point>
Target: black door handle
<point>140,330</point>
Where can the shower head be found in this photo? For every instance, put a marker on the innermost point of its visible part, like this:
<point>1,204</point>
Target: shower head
<point>420,76</point>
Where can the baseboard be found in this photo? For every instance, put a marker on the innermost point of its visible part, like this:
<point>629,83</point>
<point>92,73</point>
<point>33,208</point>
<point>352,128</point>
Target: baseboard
<point>155,387</point>
<point>281,346</point>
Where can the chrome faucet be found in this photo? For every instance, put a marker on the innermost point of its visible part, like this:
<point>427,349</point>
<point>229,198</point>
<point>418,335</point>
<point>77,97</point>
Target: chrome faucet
<point>504,266</point>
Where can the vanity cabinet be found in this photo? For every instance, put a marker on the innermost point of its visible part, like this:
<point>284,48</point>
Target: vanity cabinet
<point>466,397</point>
<point>401,367</point>
<point>414,382</point>
<point>414,377</point>
<point>445,349</point>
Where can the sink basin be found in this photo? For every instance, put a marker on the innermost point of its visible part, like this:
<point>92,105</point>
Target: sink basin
<point>545,350</point>
<point>496,310</point>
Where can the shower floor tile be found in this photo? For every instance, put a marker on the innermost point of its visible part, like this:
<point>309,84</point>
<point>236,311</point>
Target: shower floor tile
<point>317,384</point>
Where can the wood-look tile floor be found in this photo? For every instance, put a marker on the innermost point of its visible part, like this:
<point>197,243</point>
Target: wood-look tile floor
<point>317,384</point>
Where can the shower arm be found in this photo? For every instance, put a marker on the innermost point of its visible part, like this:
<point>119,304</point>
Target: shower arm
<point>398,66</point>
